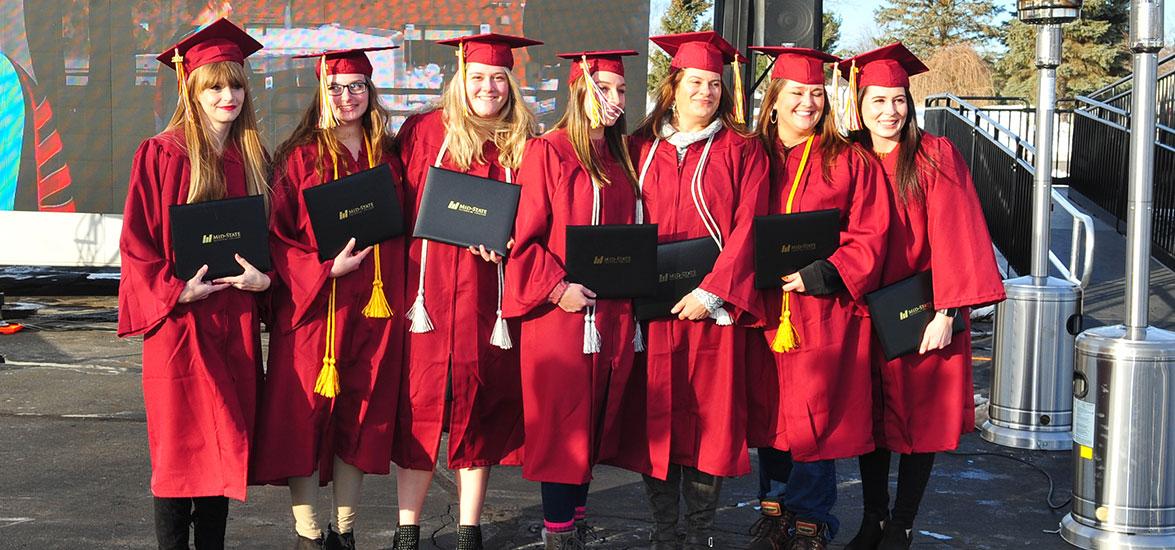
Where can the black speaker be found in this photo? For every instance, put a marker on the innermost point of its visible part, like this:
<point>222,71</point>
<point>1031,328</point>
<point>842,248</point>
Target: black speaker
<point>795,22</point>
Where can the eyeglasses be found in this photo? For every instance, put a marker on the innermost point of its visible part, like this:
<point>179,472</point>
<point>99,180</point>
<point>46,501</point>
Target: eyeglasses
<point>358,87</point>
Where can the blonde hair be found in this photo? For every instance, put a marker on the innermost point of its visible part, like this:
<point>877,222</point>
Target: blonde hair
<point>467,132</point>
<point>575,122</point>
<point>375,129</point>
<point>207,179</point>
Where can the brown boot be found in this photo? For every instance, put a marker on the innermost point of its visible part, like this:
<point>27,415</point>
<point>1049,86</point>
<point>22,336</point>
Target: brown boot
<point>770,532</point>
<point>808,535</point>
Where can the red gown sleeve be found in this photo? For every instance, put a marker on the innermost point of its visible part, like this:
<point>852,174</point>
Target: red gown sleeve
<point>147,291</point>
<point>533,271</point>
<point>862,241</point>
<point>962,262</point>
<point>733,276</point>
<point>292,245</point>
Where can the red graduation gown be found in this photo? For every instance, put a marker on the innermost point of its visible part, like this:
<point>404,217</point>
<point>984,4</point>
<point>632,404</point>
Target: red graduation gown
<point>299,431</point>
<point>570,399</point>
<point>201,360</point>
<point>461,294</point>
<point>815,400</point>
<point>693,410</point>
<point>924,403</point>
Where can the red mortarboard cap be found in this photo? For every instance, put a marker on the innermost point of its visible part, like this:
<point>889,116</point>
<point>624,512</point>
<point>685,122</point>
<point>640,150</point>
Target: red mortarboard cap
<point>705,50</point>
<point>597,61</point>
<point>220,41</point>
<point>352,61</point>
<point>490,49</point>
<point>890,66</point>
<point>803,65</point>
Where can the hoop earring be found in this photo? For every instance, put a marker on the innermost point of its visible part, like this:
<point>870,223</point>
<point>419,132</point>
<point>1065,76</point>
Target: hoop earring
<point>673,108</point>
<point>774,117</point>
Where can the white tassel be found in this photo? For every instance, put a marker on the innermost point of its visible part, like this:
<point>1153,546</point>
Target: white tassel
<point>501,334</point>
<point>419,316</point>
<point>638,339</point>
<point>722,317</point>
<point>591,336</point>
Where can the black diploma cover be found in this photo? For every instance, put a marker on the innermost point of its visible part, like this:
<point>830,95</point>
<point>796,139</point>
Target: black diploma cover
<point>681,266</point>
<point>465,210</point>
<point>785,243</point>
<point>614,261</point>
<point>901,312</point>
<point>211,232</point>
<point>363,205</point>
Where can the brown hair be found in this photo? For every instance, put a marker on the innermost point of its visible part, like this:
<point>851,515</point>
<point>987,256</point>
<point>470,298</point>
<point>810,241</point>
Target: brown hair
<point>375,129</point>
<point>207,179</point>
<point>908,182</point>
<point>575,122</point>
<point>832,144</point>
<point>666,94</point>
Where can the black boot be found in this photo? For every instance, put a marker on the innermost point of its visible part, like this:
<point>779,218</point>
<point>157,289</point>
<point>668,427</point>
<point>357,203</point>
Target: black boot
<point>209,519</point>
<point>407,537</point>
<point>338,541</point>
<point>896,537</point>
<point>869,535</point>
<point>808,535</point>
<point>469,537</point>
<point>770,532</point>
<point>567,540</point>
<point>700,492</point>
<point>173,520</point>
<point>304,543</point>
<point>664,496</point>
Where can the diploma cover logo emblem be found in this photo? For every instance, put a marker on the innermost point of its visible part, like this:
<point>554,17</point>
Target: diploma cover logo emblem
<point>212,238</point>
<point>468,208</point>
<point>801,247</point>
<point>903,315</point>
<point>367,207</point>
<point>610,260</point>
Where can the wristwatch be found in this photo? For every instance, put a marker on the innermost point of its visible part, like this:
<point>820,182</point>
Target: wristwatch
<point>950,312</point>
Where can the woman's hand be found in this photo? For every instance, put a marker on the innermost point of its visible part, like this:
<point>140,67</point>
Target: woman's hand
<point>347,262</point>
<point>576,297</point>
<point>690,308</point>
<point>195,289</point>
<point>793,283</point>
<point>938,333</point>
<point>250,281</point>
<point>490,255</point>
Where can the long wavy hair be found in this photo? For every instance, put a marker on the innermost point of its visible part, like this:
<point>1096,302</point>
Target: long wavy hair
<point>206,178</point>
<point>375,129</point>
<point>908,183</point>
<point>832,144</point>
<point>468,133</point>
<point>663,108</point>
<point>575,122</point>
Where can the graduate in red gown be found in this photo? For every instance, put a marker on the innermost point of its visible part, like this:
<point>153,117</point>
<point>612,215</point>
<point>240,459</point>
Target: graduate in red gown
<point>461,372</point>
<point>201,338</point>
<point>328,404</point>
<point>701,176</point>
<point>923,402</point>
<point>576,351</point>
<point>810,391</point>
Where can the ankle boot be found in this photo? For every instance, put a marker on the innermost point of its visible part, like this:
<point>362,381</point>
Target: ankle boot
<point>338,541</point>
<point>809,535</point>
<point>469,537</point>
<point>896,537</point>
<point>407,537</point>
<point>565,540</point>
<point>664,496</point>
<point>869,535</point>
<point>770,532</point>
<point>700,492</point>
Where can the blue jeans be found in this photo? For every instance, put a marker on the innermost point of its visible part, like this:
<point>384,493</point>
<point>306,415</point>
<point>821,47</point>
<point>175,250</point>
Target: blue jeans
<point>806,488</point>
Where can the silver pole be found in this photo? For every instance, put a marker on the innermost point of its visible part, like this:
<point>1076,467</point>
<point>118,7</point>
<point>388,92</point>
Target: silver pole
<point>1146,39</point>
<point>1048,57</point>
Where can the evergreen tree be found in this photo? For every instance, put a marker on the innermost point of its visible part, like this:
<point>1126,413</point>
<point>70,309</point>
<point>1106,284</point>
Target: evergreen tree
<point>831,33</point>
<point>1093,52</point>
<point>924,26</point>
<point>682,16</point>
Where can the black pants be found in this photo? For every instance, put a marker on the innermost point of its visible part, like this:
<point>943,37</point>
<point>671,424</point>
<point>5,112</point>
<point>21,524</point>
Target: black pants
<point>913,475</point>
<point>207,515</point>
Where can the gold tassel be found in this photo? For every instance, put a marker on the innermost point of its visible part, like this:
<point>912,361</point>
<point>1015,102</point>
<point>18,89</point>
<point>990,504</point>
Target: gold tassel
<point>461,74</point>
<point>326,115</point>
<point>377,306</point>
<point>593,104</point>
<point>182,75</point>
<point>327,384</point>
<point>739,114</point>
<point>854,114</point>
<point>786,337</point>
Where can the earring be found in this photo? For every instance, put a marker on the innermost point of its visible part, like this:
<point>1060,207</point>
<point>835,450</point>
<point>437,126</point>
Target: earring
<point>673,108</point>
<point>774,116</point>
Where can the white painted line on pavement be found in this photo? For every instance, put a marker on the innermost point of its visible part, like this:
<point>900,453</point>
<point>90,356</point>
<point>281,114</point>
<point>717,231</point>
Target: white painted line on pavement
<point>95,369</point>
<point>9,522</point>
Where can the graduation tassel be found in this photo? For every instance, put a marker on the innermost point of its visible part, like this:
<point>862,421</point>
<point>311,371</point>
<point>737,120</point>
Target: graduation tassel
<point>461,73</point>
<point>739,114</point>
<point>377,306</point>
<point>182,76</point>
<point>854,114</point>
<point>594,114</point>
<point>417,314</point>
<point>638,339</point>
<point>786,337</point>
<point>326,115</point>
<point>501,334</point>
<point>591,335</point>
<point>327,384</point>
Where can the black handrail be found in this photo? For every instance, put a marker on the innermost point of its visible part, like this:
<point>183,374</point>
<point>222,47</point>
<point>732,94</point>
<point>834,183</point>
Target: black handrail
<point>1128,79</point>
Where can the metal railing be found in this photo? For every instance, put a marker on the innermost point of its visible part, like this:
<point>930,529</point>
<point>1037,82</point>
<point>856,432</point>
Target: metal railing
<point>1119,93</point>
<point>1018,116</point>
<point>1001,165</point>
